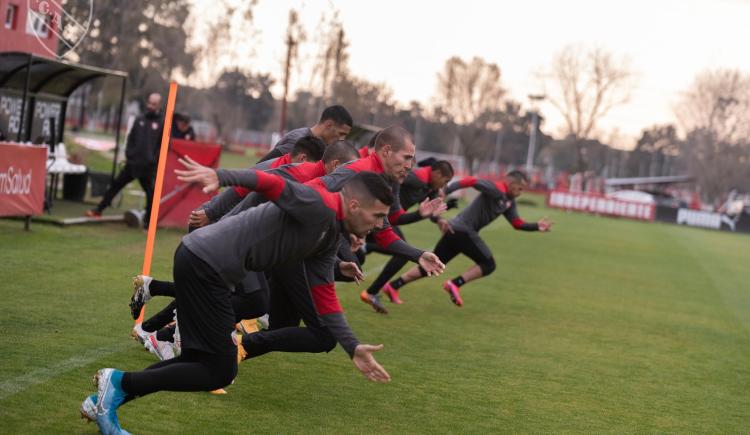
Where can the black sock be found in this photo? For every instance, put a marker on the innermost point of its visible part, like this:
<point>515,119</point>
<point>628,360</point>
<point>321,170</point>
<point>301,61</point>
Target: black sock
<point>458,281</point>
<point>397,283</point>
<point>161,288</point>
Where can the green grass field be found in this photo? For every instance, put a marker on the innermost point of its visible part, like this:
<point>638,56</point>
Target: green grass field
<point>604,325</point>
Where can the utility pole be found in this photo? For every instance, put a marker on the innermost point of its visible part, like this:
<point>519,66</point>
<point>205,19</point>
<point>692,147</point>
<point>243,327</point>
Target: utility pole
<point>535,99</point>
<point>290,46</point>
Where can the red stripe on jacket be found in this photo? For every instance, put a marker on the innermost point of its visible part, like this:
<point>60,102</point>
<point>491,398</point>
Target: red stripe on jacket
<point>325,299</point>
<point>283,160</point>
<point>370,163</point>
<point>332,200</point>
<point>517,223</point>
<point>269,185</point>
<point>393,217</point>
<point>423,174</point>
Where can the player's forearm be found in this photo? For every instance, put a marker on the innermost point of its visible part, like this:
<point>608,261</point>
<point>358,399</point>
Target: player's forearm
<point>220,204</point>
<point>397,246</point>
<point>268,185</point>
<point>408,218</point>
<point>339,328</point>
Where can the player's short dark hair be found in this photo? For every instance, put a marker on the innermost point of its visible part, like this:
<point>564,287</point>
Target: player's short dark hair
<point>311,145</point>
<point>444,167</point>
<point>342,151</point>
<point>517,176</point>
<point>395,136</point>
<point>369,186</point>
<point>371,142</point>
<point>182,117</point>
<point>337,114</point>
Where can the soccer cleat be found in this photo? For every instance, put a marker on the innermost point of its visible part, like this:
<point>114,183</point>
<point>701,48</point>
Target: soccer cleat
<point>141,295</point>
<point>93,213</point>
<point>392,294</point>
<point>241,352</point>
<point>454,292</point>
<point>109,397</point>
<point>247,326</point>
<point>162,349</point>
<point>374,301</point>
<point>263,321</point>
<point>138,333</point>
<point>88,408</point>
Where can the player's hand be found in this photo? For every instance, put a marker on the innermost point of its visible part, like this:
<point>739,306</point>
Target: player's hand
<point>356,242</point>
<point>431,264</point>
<point>545,225</point>
<point>198,218</point>
<point>366,364</point>
<point>194,172</point>
<point>431,207</point>
<point>445,226</point>
<point>351,270</point>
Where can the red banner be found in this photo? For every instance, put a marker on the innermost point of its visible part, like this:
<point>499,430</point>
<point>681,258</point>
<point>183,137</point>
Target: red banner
<point>22,174</point>
<point>178,198</point>
<point>599,204</point>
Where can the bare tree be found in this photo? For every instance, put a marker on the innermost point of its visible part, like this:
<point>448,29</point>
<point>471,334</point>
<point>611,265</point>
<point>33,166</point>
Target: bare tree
<point>717,101</point>
<point>584,85</point>
<point>470,94</point>
<point>715,114</point>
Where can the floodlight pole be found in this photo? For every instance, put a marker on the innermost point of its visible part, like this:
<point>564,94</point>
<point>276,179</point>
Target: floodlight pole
<point>534,127</point>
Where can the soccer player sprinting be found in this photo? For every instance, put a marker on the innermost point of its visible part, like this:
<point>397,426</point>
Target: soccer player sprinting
<point>302,223</point>
<point>461,234</point>
<point>250,297</point>
<point>421,185</point>
<point>334,125</point>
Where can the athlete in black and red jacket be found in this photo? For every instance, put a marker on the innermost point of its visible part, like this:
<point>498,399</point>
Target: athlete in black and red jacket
<point>302,224</point>
<point>461,234</point>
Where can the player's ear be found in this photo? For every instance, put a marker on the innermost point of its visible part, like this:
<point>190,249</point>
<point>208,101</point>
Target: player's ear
<point>301,158</point>
<point>354,205</point>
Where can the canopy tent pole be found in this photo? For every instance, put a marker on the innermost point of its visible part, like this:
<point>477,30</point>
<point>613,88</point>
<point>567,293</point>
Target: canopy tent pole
<point>25,95</point>
<point>117,132</point>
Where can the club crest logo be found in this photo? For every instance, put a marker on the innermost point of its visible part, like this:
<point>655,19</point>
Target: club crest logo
<point>67,21</point>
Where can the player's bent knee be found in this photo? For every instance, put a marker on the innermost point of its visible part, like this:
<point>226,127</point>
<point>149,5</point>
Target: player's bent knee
<point>488,266</point>
<point>224,374</point>
<point>328,343</point>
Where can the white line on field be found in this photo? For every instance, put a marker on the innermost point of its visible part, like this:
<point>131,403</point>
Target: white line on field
<point>45,374</point>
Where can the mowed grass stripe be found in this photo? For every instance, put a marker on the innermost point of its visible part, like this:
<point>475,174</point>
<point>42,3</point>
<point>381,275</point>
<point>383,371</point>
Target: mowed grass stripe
<point>604,325</point>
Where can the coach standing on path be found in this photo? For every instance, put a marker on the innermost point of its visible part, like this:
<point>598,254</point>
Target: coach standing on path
<point>142,156</point>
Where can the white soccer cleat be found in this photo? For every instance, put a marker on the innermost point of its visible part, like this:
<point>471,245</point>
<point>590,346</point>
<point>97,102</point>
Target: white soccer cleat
<point>138,333</point>
<point>162,349</point>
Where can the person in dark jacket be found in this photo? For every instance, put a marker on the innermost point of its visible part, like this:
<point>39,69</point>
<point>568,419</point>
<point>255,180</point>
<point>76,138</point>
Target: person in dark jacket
<point>181,129</point>
<point>142,156</point>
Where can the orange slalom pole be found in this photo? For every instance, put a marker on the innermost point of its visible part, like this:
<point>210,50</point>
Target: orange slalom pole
<point>151,237</point>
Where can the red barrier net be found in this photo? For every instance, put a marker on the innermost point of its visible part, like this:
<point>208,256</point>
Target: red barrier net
<point>178,198</point>
<point>22,174</point>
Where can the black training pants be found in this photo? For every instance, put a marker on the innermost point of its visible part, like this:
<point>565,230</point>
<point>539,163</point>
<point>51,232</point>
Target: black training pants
<point>191,371</point>
<point>390,269</point>
<point>291,302</point>
<point>467,243</point>
<point>129,173</point>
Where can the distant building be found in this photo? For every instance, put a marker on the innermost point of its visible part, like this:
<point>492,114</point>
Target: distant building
<point>30,30</point>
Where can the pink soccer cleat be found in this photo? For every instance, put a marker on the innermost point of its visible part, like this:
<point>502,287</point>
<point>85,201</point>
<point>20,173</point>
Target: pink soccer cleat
<point>454,292</point>
<point>392,294</point>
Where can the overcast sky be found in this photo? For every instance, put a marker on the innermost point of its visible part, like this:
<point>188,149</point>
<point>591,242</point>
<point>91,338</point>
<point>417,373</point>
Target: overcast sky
<point>405,43</point>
